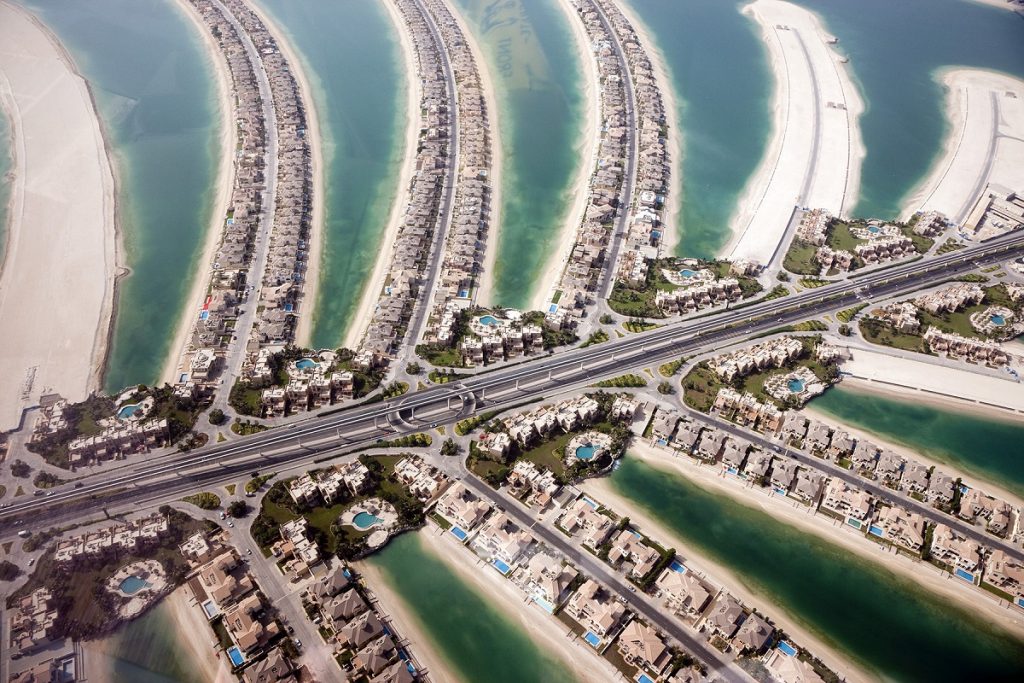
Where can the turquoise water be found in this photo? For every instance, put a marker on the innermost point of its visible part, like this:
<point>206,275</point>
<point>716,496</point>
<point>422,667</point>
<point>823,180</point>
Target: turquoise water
<point>488,320</point>
<point>364,520</point>
<point>132,584</point>
<point>235,655</point>
<point>998,320</point>
<point>352,59</point>
<point>531,56</point>
<point>883,620</point>
<point>796,385</point>
<point>157,102</point>
<point>473,636</point>
<point>586,452</point>
<point>305,363</point>
<point>148,651</point>
<point>895,49</point>
<point>6,180</point>
<point>992,450</point>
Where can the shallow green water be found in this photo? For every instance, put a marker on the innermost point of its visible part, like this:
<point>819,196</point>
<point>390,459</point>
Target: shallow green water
<point>531,56</point>
<point>149,651</point>
<point>723,85</point>
<point>157,102</point>
<point>864,610</point>
<point>352,59</point>
<point>992,449</point>
<point>479,642</point>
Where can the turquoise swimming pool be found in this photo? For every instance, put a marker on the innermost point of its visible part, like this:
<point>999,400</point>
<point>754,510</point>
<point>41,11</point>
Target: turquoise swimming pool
<point>128,411</point>
<point>364,520</point>
<point>132,585</point>
<point>305,363</point>
<point>235,655</point>
<point>489,320</point>
<point>998,320</point>
<point>795,385</point>
<point>586,452</point>
<point>686,272</point>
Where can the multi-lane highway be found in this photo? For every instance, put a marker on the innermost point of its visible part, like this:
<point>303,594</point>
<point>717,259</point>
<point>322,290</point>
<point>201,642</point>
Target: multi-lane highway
<point>529,380</point>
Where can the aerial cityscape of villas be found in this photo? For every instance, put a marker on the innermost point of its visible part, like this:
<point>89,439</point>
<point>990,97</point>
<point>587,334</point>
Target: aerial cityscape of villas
<point>883,519</point>
<point>774,353</point>
<point>493,337</point>
<point>471,219</point>
<point>255,236</point>
<point>125,536</point>
<point>118,436</point>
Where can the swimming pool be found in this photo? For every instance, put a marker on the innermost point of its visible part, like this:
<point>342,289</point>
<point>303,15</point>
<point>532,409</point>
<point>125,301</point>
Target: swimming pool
<point>305,363</point>
<point>459,533</point>
<point>687,273</point>
<point>795,385</point>
<point>966,576</point>
<point>594,641</point>
<point>586,452</point>
<point>787,649</point>
<point>128,411</point>
<point>501,566</point>
<point>998,320</point>
<point>235,655</point>
<point>489,320</point>
<point>678,567</point>
<point>364,520</point>
<point>132,585</point>
<point>874,229</point>
<point>210,608</point>
<point>644,678</point>
<point>876,531</point>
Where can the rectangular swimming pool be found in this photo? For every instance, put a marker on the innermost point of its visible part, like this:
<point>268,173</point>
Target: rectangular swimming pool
<point>643,678</point>
<point>677,567</point>
<point>501,566</point>
<point>235,655</point>
<point>787,649</point>
<point>594,641</point>
<point>459,533</point>
<point>966,576</point>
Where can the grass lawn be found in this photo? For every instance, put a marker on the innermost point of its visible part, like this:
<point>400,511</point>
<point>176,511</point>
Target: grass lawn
<point>877,332</point>
<point>700,387</point>
<point>549,454</point>
<point>840,237</point>
<point>800,258</point>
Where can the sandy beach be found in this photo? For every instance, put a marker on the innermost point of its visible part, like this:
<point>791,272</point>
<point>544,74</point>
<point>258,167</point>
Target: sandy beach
<point>587,147</point>
<point>815,152</point>
<point>547,632</point>
<point>191,630</point>
<point>58,278</point>
<point>1003,4</point>
<point>786,510</point>
<point>311,281</point>
<point>485,288</point>
<point>224,183</point>
<point>938,384</point>
<point>407,624</point>
<point>674,205</point>
<point>375,283</point>
<point>984,142</point>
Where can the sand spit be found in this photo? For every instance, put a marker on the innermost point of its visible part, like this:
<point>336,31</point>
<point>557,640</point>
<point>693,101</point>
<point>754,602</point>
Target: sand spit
<point>940,384</point>
<point>58,279</point>
<point>815,153</point>
<point>984,143</point>
<point>392,604</point>
<point>224,183</point>
<point>547,632</point>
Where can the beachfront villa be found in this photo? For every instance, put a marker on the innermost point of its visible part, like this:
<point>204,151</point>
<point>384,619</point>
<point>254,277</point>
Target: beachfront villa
<point>956,346</point>
<point>583,517</point>
<point>462,507</point>
<point>502,542</point>
<point>996,321</point>
<point>900,527</point>
<point>595,609</point>
<point>683,592</point>
<point>628,547</point>
<point>538,484</point>
<point>848,503</point>
<point>774,353</point>
<point>956,550</point>
<point>223,581</point>
<point>643,647</point>
<point>424,481</point>
<point>545,579</point>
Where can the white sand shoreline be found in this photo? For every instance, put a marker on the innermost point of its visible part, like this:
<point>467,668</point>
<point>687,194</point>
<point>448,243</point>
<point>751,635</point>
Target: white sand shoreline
<point>485,288</point>
<point>373,285</point>
<point>408,626</point>
<point>803,90</point>
<point>224,182</point>
<point>547,281</point>
<point>983,142</point>
<point>547,633</point>
<point>673,234</point>
<point>61,159</point>
<point>311,278</point>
